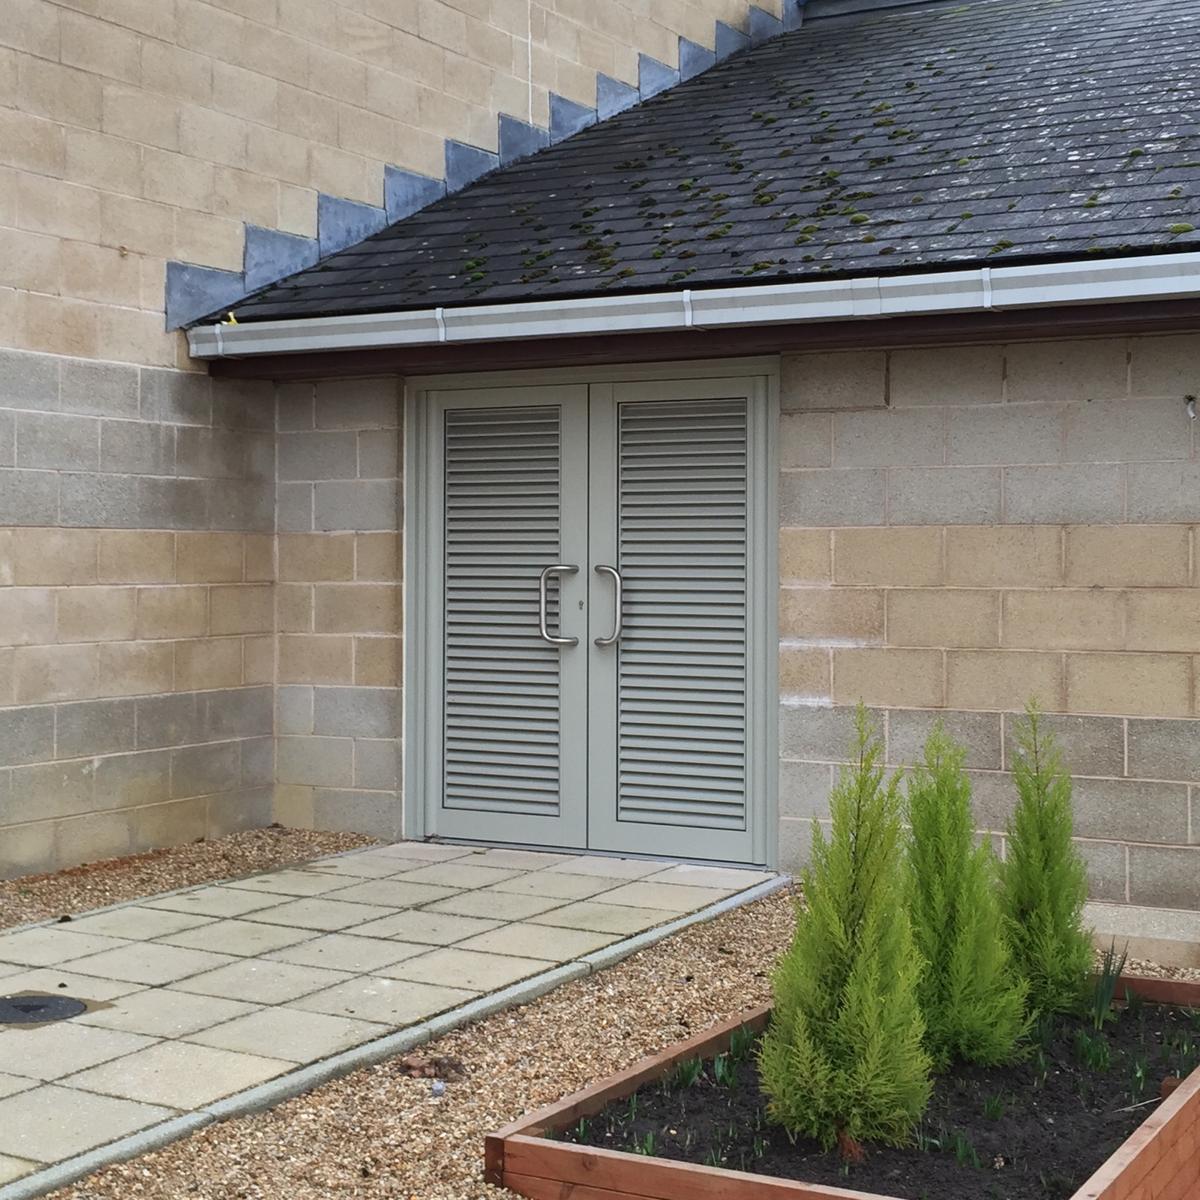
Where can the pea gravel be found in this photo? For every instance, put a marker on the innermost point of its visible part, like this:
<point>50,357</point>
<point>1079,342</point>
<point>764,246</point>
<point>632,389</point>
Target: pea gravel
<point>96,885</point>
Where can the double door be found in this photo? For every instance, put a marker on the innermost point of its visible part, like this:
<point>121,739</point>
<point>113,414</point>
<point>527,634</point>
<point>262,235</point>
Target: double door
<point>595,578</point>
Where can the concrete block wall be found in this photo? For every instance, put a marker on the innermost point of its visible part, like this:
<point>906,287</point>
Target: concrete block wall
<point>136,608</point>
<point>338,606</point>
<point>134,134</point>
<point>967,527</point>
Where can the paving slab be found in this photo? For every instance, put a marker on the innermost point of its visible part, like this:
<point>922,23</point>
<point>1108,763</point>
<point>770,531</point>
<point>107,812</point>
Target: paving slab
<point>459,874</point>
<point>260,981</point>
<point>733,879</point>
<point>149,963</point>
<point>216,901</point>
<point>427,927</point>
<point>387,1001</point>
<point>428,852</point>
<point>451,966</point>
<point>358,866</point>
<point>557,884</point>
<point>11,1084</point>
<point>48,1052</point>
<point>293,882</point>
<point>346,952</point>
<point>393,893</point>
<point>52,1123</point>
<point>238,937</point>
<point>15,1168</point>
<point>181,1075</point>
<point>163,1013</point>
<point>82,987</point>
<point>499,905</point>
<point>46,945</point>
<point>138,923</point>
<point>321,913</point>
<point>671,897</point>
<point>289,1033</point>
<point>604,918</point>
<point>523,860</point>
<point>613,868</point>
<point>538,941</point>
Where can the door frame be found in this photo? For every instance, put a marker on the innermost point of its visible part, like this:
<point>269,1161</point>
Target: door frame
<point>421,620</point>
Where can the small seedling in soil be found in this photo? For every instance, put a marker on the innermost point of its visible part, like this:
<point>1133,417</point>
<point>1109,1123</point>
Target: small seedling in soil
<point>994,1106</point>
<point>645,1144</point>
<point>964,1151</point>
<point>723,1072</point>
<point>685,1075</point>
<point>1092,1051</point>
<point>1140,1069</point>
<point>741,1044</point>
<point>1105,987</point>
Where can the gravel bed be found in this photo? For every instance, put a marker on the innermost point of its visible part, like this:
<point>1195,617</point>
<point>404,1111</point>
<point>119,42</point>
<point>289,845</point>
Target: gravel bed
<point>95,885</point>
<point>380,1133</point>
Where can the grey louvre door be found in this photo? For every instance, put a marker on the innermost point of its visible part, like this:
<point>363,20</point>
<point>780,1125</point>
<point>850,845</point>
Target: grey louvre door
<point>676,728</point>
<point>509,503</point>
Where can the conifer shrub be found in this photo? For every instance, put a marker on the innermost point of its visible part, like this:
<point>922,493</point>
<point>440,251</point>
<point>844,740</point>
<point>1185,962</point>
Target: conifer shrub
<point>1043,881</point>
<point>971,998</point>
<point>843,1059</point>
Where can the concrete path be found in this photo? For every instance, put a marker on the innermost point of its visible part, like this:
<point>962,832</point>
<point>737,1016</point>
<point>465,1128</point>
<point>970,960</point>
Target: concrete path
<point>200,995</point>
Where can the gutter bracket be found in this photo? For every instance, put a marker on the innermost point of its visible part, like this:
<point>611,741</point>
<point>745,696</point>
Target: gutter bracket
<point>985,279</point>
<point>439,315</point>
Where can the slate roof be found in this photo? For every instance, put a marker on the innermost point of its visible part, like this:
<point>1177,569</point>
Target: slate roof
<point>929,137</point>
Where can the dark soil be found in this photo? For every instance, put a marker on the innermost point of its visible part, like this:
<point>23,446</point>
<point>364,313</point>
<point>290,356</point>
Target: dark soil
<point>1035,1130</point>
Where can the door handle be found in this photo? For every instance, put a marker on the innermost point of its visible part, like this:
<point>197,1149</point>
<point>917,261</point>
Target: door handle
<point>543,585</point>
<point>615,636</point>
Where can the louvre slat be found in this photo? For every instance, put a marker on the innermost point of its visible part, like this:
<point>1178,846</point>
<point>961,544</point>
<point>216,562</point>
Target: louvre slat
<point>682,505</point>
<point>502,682</point>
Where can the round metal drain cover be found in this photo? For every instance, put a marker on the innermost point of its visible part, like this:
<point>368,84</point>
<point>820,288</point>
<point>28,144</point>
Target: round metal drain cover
<point>34,1009</point>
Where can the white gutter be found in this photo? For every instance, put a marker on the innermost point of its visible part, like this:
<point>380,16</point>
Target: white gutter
<point>1100,281</point>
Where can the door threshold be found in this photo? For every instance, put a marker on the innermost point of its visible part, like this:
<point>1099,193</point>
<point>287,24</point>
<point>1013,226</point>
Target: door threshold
<point>576,851</point>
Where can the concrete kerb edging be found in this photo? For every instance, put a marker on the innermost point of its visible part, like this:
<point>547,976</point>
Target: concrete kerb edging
<point>304,1079</point>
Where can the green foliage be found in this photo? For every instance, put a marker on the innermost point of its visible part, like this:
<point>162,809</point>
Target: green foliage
<point>1043,883</point>
<point>1104,987</point>
<point>842,1060</point>
<point>972,1000</point>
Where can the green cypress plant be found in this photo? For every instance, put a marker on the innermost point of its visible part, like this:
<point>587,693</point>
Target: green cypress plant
<point>1043,881</point>
<point>843,1059</point>
<point>972,1000</point>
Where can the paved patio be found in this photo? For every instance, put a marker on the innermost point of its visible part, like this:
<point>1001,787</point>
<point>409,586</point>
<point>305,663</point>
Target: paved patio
<point>197,995</point>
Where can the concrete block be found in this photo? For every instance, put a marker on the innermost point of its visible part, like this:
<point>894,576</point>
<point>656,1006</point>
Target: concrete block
<point>1139,556</point>
<point>8,429</point>
<point>342,223</point>
<point>654,77</point>
<point>92,837</point>
<point>378,454</point>
<point>1106,873</point>
<point>1134,685</point>
<point>946,375</point>
<point>210,453</point>
<point>1127,431</point>
<point>271,255</point>
<point>58,442</point>
<point>318,455</point>
<point>377,764</point>
<point>163,721</point>
<point>852,615</point>
<point>29,381</point>
<point>361,505</point>
<point>1163,620</point>
<point>1165,750</point>
<point>136,557</point>
<point>194,292</point>
<point>1085,494</point>
<point>172,612</point>
<point>1003,679</point>
<point>210,663</point>
<point>1163,491</point>
<point>135,668</point>
<point>891,557</point>
<point>26,735</point>
<point>613,96</point>
<point>1164,366</point>
<point>316,761</point>
<point>176,397</point>
<point>296,404</point>
<point>805,672</point>
<point>113,501</point>
<point>358,404</point>
<point>820,734</point>
<point>1165,876</point>
<point>43,673</point>
<point>316,557</point>
<point>944,496</point>
<point>243,404</point>
<point>52,789</point>
<point>94,727</point>
<point>835,380</point>
<point>316,659</point>
<point>1030,556</point>
<point>169,824</point>
<point>377,661</point>
<point>96,614</point>
<point>237,713</point>
<point>694,59</point>
<point>804,789</point>
<point>824,498</point>
<point>943,617</point>
<point>239,504</point>
<point>889,438</point>
<point>1063,619</point>
<point>246,808</point>
<point>1128,810</point>
<point>356,712</point>
<point>729,41</point>
<point>26,616</point>
<point>205,770</point>
<point>376,814</point>
<point>357,608</point>
<point>1094,369</point>
<point>136,448</point>
<point>99,389</point>
<point>1005,434</point>
<point>465,164</point>
<point>184,501</point>
<point>406,192</point>
<point>978,733</point>
<point>294,507</point>
<point>28,497</point>
<point>26,849</point>
<point>1089,745</point>
<point>519,139</point>
<point>887,676</point>
<point>294,710</point>
<point>804,556</point>
<point>131,780</point>
<point>568,118</point>
<point>378,556</point>
<point>805,440</point>
<point>258,763</point>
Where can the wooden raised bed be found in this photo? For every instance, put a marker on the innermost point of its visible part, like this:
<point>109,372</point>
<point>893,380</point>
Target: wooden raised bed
<point>1159,1161</point>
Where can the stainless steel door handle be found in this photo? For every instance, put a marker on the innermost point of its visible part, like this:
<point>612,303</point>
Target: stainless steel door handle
<point>615,636</point>
<point>543,585</point>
